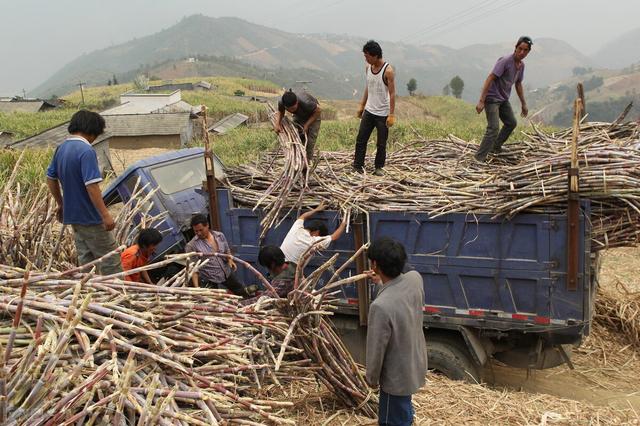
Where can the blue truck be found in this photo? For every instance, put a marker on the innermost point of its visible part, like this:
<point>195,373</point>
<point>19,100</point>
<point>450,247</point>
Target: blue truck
<point>493,287</point>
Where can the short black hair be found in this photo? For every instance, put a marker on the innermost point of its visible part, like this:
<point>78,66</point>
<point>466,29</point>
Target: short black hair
<point>372,48</point>
<point>270,257</point>
<point>389,255</point>
<point>199,219</point>
<point>525,39</point>
<point>87,122</point>
<point>316,225</point>
<point>289,99</point>
<point>149,237</point>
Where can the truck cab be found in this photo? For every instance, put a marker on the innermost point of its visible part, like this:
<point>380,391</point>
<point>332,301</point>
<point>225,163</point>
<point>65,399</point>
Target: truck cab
<point>494,287</point>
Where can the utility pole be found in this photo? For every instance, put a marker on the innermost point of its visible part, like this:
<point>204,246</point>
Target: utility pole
<point>24,94</point>
<point>81,84</point>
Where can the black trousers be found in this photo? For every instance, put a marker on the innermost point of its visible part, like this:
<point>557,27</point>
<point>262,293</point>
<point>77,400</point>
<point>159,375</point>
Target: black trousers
<point>368,122</point>
<point>231,283</point>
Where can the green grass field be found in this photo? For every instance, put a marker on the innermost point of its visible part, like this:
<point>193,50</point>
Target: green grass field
<point>427,117</point>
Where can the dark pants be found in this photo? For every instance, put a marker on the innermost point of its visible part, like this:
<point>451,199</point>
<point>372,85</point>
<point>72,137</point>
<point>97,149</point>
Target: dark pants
<point>367,124</point>
<point>93,242</point>
<point>232,284</point>
<point>395,410</point>
<point>492,141</point>
<point>310,139</point>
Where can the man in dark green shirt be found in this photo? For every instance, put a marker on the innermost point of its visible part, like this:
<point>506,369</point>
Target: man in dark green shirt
<point>306,117</point>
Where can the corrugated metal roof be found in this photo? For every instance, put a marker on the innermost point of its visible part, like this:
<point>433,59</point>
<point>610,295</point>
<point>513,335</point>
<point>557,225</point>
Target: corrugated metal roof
<point>117,125</point>
<point>229,122</point>
<point>204,84</point>
<point>21,106</point>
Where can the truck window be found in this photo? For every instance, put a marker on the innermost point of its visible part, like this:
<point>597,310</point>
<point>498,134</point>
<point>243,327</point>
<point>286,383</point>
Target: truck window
<point>176,177</point>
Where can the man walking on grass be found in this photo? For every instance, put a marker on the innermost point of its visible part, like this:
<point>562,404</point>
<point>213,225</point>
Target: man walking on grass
<point>396,349</point>
<point>376,108</point>
<point>75,167</point>
<point>494,99</point>
<point>306,117</point>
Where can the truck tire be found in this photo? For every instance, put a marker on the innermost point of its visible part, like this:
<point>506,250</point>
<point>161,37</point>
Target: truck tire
<point>449,356</point>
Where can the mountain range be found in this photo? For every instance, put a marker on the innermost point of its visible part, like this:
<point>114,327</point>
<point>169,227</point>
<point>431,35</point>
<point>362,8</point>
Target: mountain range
<point>333,63</point>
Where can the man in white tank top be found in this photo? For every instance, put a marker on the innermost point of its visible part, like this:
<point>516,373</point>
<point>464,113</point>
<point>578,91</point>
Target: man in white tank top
<point>376,109</point>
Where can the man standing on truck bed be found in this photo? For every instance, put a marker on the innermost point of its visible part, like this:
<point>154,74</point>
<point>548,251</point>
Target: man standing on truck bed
<point>304,233</point>
<point>217,271</point>
<point>75,167</point>
<point>376,108</point>
<point>396,349</point>
<point>306,117</point>
<point>494,99</point>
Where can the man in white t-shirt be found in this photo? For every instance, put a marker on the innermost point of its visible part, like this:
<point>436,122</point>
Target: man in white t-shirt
<point>303,235</point>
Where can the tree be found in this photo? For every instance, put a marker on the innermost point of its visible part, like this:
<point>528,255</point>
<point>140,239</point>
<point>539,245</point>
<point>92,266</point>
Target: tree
<point>109,82</point>
<point>446,90</point>
<point>457,86</point>
<point>412,85</point>
<point>114,80</point>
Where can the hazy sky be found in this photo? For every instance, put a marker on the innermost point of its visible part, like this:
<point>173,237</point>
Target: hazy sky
<point>39,36</point>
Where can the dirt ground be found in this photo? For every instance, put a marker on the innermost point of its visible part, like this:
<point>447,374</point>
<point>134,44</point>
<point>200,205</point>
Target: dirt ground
<point>602,389</point>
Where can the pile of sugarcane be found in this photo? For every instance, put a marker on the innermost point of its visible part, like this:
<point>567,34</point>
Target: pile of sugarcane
<point>440,176</point>
<point>293,172</point>
<point>619,310</point>
<point>29,231</point>
<point>77,348</point>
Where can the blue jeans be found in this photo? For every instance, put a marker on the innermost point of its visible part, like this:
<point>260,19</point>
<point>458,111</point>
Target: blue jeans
<point>395,410</point>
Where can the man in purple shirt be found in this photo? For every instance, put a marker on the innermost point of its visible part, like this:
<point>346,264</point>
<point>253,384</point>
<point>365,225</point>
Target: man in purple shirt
<point>217,271</point>
<point>494,99</point>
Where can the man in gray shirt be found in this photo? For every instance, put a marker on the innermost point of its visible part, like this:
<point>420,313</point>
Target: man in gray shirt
<point>306,117</point>
<point>494,99</point>
<point>396,349</point>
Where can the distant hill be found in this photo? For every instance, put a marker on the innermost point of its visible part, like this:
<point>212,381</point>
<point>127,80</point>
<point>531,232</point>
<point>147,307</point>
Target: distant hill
<point>620,52</point>
<point>334,63</point>
<point>607,93</point>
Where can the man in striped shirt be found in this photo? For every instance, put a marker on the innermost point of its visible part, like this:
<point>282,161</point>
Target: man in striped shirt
<point>218,271</point>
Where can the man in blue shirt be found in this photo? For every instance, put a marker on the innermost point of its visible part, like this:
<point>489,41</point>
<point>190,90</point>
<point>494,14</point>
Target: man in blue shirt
<point>494,99</point>
<point>75,167</point>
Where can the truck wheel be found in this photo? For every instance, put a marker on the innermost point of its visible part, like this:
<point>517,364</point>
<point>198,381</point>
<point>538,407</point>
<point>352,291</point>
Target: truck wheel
<point>449,356</point>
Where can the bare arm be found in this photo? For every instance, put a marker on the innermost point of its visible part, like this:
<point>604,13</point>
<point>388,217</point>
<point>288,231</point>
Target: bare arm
<point>196,279</point>
<point>523,102</point>
<point>96,198</point>
<point>278,124</point>
<point>391,84</point>
<point>365,96</point>
<point>54,189</point>
<point>307,215</point>
<point>485,90</point>
<point>339,231</point>
<point>312,118</point>
<point>146,277</point>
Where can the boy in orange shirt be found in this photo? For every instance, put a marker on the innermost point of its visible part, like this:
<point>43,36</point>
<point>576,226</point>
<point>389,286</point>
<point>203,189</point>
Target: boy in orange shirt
<point>138,254</point>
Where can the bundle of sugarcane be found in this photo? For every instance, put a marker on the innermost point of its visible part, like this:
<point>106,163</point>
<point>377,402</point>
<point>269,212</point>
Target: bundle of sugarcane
<point>440,176</point>
<point>96,349</point>
<point>29,231</point>
<point>136,214</point>
<point>619,310</point>
<point>293,172</point>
